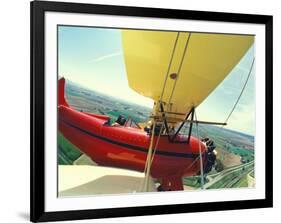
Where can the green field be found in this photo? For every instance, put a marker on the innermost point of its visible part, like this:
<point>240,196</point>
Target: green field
<point>233,177</point>
<point>67,152</point>
<point>246,155</point>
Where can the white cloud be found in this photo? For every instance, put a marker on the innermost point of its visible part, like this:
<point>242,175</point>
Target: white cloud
<point>101,58</point>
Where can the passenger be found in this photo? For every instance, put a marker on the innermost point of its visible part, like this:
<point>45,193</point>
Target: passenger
<point>148,127</point>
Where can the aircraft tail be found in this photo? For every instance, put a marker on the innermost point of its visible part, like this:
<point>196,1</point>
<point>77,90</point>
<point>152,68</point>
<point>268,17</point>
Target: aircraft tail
<point>61,89</point>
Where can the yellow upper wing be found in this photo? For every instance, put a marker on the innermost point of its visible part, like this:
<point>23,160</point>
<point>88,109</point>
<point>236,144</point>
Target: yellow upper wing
<point>198,63</point>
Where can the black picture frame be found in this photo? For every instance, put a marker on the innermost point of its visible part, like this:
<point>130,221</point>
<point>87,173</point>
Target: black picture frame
<point>37,181</point>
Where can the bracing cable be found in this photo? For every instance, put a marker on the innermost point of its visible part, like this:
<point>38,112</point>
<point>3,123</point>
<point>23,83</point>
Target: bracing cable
<point>200,154</point>
<point>244,86</point>
<point>169,66</point>
<point>149,157</point>
<point>179,70</point>
<point>228,117</point>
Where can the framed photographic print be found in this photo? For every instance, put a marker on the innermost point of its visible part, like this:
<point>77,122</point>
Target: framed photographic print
<point>143,111</point>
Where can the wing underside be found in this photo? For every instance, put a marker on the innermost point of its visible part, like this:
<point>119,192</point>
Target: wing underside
<point>180,69</point>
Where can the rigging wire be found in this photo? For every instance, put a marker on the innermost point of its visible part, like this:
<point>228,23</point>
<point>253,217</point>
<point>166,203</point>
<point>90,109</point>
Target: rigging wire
<point>156,145</point>
<point>179,70</point>
<point>200,154</point>
<point>170,64</point>
<point>146,171</point>
<point>150,155</point>
<point>228,117</point>
<point>178,73</point>
<point>148,159</point>
<point>244,86</point>
<point>238,98</point>
<point>193,162</point>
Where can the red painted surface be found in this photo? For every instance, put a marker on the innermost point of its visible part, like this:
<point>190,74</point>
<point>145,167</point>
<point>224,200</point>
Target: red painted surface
<point>126,147</point>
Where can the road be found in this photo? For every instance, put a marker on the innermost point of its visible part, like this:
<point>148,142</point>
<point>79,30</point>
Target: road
<point>229,177</point>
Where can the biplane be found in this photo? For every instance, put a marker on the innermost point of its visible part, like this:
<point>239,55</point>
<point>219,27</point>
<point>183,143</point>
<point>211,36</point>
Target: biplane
<point>178,70</point>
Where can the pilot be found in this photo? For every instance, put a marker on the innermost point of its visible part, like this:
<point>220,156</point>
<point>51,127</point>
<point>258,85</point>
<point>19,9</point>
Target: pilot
<point>121,120</point>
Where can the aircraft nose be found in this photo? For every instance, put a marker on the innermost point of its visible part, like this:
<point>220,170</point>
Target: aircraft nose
<point>211,155</point>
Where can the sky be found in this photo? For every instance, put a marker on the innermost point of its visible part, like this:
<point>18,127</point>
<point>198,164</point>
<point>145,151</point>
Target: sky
<point>92,57</point>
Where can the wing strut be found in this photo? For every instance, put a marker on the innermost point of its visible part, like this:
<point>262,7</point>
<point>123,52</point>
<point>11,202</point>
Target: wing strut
<point>165,120</point>
<point>191,112</point>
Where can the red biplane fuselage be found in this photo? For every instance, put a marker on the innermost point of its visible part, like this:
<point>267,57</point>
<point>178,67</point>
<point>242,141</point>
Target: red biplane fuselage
<point>127,147</point>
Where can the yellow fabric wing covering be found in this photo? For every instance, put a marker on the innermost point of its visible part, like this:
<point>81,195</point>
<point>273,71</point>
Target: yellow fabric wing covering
<point>198,63</point>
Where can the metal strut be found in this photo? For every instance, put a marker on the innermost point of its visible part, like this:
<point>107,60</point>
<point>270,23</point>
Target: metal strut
<point>191,112</point>
<point>191,124</point>
<point>165,120</point>
<point>171,137</point>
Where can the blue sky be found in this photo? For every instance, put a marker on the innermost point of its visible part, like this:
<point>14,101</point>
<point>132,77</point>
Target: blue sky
<point>92,57</point>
